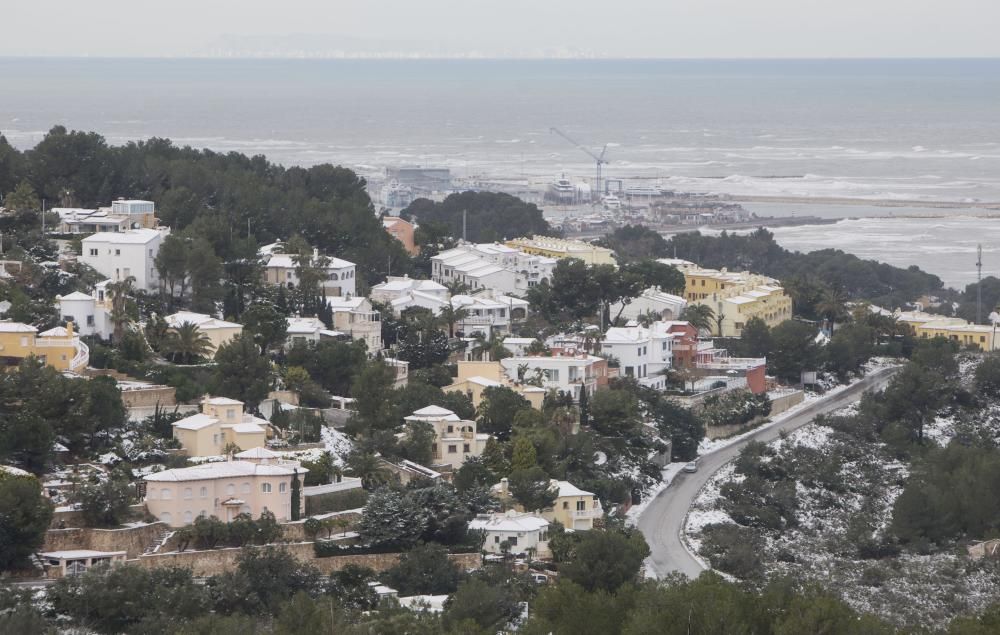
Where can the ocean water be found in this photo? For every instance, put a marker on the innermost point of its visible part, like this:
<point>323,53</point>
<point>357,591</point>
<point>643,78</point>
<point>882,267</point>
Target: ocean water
<point>877,129</point>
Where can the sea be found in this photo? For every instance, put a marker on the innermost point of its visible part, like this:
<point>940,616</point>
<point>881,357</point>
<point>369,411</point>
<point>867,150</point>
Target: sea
<point>796,130</point>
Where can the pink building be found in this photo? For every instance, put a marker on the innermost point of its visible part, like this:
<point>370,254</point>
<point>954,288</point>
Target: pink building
<point>224,489</point>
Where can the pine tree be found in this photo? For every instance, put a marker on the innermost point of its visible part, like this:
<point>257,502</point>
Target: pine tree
<point>296,495</point>
<point>524,455</point>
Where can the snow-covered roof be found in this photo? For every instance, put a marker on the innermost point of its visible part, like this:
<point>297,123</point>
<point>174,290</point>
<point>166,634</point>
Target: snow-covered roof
<point>196,422</point>
<point>130,237</point>
<point>222,401</point>
<point>16,327</point>
<point>483,381</point>
<point>345,303</point>
<point>287,261</point>
<point>626,335</point>
<point>305,325</point>
<point>509,523</point>
<point>79,554</point>
<point>202,321</point>
<point>257,453</point>
<point>59,331</point>
<point>434,412</point>
<point>224,469</point>
<point>76,295</point>
<point>565,488</point>
<point>245,428</point>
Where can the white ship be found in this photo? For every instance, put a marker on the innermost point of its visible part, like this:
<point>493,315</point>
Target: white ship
<point>562,191</point>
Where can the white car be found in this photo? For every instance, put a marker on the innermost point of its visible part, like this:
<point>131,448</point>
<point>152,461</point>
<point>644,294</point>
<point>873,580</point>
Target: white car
<point>691,467</point>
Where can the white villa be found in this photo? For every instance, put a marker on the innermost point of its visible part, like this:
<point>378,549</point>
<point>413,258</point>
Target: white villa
<point>281,269</point>
<point>119,255</point>
<point>517,531</point>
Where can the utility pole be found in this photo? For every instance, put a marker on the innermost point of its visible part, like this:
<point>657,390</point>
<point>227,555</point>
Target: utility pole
<point>464,213</point>
<point>979,283</point>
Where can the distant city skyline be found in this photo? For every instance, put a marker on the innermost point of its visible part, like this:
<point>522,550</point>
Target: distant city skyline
<point>511,29</point>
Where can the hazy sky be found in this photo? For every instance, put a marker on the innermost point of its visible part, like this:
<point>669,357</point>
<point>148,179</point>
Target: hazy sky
<point>615,28</point>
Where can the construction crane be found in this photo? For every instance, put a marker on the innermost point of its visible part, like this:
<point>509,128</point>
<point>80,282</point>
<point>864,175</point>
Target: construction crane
<point>598,158</point>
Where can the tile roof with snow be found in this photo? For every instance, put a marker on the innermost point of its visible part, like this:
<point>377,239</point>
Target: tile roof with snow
<point>224,469</point>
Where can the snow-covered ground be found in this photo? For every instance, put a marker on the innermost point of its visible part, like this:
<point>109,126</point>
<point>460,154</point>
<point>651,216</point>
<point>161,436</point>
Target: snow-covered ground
<point>337,443</point>
<point>916,591</point>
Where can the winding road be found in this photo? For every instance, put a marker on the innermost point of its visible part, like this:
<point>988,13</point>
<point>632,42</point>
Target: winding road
<point>663,520</point>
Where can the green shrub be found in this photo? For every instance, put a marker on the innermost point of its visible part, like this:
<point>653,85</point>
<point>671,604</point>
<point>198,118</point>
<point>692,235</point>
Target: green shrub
<point>335,501</point>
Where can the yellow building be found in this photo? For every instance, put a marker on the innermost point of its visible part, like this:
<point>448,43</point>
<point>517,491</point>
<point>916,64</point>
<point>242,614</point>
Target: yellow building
<point>574,508</point>
<point>560,248</point>
<point>220,423</point>
<point>60,348</point>
<point>929,326</point>
<point>736,297</point>
<point>475,377</point>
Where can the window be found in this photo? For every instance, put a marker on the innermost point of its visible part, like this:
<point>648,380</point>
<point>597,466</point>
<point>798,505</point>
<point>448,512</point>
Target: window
<point>118,252</point>
<point>565,504</point>
<point>452,449</point>
<point>90,320</point>
<point>265,488</point>
<point>282,487</point>
<point>93,252</point>
<point>465,447</point>
<point>203,492</point>
<point>629,372</point>
<point>230,489</point>
<point>230,413</point>
<point>451,428</point>
<point>581,506</point>
<point>188,517</point>
<point>151,493</point>
<point>513,541</point>
<point>188,493</point>
<point>165,494</point>
<point>496,540</point>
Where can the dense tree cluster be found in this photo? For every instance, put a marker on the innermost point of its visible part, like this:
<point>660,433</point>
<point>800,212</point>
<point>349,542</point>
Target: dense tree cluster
<point>215,197</point>
<point>487,216</point>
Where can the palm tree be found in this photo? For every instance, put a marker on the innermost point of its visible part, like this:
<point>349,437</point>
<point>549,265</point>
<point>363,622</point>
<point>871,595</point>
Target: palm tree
<point>450,316</point>
<point>648,317</point>
<point>456,287</point>
<point>700,316</point>
<point>187,343</point>
<point>489,349</point>
<point>118,293</point>
<point>832,306</point>
<point>368,468</point>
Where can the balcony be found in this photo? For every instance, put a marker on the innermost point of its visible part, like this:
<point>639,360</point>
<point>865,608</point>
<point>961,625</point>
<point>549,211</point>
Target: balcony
<point>581,514</point>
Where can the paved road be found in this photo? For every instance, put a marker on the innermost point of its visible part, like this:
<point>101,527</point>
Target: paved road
<point>662,521</point>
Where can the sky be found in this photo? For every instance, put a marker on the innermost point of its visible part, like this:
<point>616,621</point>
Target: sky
<point>501,28</point>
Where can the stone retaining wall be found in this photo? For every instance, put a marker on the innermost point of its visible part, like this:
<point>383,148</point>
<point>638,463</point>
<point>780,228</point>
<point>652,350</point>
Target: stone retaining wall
<point>209,563</point>
<point>132,540</point>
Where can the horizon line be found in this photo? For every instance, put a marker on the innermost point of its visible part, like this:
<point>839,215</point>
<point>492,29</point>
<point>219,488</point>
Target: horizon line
<point>499,58</point>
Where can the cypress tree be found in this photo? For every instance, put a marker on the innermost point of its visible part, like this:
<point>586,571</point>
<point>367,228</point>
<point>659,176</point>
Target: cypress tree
<point>296,495</point>
<point>584,407</point>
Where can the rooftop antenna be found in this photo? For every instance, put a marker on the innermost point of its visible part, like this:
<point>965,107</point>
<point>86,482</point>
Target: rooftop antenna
<point>979,283</point>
